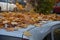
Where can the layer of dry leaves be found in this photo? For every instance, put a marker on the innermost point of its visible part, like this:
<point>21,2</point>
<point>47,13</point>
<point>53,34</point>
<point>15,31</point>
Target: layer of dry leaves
<point>11,21</point>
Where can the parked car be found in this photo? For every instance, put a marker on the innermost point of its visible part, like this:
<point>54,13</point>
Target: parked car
<point>6,6</point>
<point>57,8</point>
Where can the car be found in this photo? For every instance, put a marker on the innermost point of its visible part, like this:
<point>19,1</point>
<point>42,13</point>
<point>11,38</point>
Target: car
<point>37,33</point>
<point>6,6</point>
<point>56,8</point>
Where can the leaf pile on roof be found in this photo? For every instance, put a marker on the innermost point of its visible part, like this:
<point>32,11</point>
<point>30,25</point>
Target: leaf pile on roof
<point>12,21</point>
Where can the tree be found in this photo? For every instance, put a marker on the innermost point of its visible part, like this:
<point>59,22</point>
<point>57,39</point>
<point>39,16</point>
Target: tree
<point>42,6</point>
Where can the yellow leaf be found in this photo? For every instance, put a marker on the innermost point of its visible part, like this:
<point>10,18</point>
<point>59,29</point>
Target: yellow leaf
<point>27,33</point>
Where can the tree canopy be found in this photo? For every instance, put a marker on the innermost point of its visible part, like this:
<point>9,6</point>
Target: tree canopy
<point>43,6</point>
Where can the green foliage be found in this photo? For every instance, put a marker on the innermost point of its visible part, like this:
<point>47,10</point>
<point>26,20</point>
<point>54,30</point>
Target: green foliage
<point>43,6</point>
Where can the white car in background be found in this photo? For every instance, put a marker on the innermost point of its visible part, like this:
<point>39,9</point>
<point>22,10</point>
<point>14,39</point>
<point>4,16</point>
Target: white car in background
<point>6,6</point>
